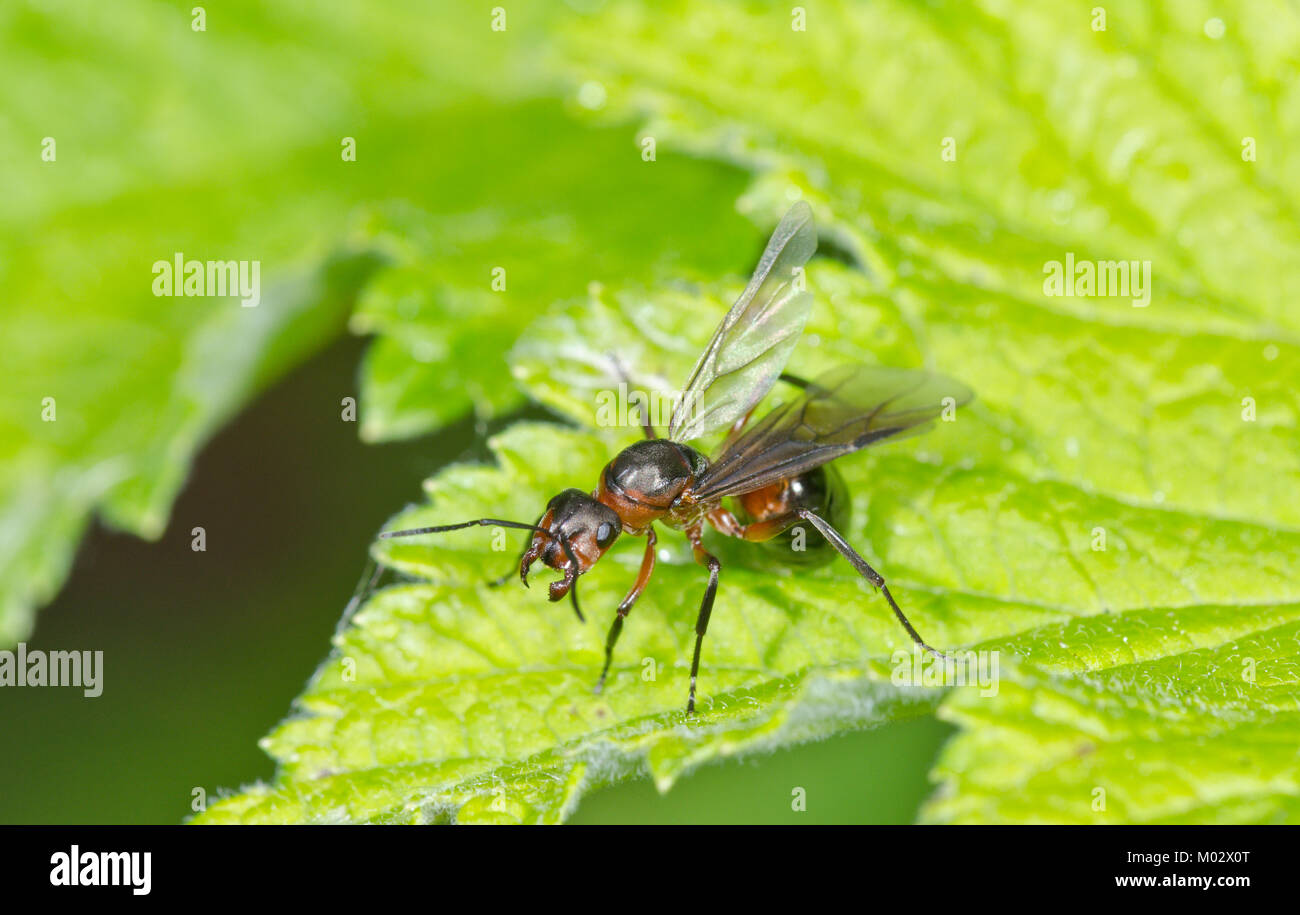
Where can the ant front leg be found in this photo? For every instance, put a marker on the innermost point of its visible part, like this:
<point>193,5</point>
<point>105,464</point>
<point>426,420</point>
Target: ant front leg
<point>616,628</point>
<point>704,558</point>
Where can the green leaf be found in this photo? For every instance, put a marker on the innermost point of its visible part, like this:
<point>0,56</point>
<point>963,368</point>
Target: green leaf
<point>1185,717</point>
<point>1109,515</point>
<point>1141,402</point>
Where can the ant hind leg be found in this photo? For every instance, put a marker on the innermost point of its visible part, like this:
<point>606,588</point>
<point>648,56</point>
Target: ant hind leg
<point>846,550</point>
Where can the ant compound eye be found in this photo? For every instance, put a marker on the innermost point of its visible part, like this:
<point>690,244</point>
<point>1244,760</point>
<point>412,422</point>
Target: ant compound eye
<point>604,534</point>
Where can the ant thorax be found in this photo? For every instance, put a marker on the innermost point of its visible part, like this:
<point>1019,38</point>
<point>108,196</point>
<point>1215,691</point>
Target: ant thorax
<point>646,482</point>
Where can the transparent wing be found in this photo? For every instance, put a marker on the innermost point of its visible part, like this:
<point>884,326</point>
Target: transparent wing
<point>754,340</point>
<point>843,410</point>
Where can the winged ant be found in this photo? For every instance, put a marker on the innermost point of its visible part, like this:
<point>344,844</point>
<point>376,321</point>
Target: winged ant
<point>774,468</point>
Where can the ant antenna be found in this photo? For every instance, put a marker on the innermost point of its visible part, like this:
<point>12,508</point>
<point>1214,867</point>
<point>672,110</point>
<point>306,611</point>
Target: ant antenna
<point>483,522</point>
<point>365,586</point>
<point>571,575</point>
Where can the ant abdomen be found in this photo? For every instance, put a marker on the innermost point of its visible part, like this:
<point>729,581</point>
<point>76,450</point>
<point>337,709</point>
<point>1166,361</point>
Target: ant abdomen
<point>822,490</point>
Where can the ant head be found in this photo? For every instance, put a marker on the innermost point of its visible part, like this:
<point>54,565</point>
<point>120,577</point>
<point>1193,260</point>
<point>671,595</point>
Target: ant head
<point>588,527</point>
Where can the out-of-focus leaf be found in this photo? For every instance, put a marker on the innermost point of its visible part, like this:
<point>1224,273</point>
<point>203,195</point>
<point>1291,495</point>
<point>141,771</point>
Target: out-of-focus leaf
<point>224,144</point>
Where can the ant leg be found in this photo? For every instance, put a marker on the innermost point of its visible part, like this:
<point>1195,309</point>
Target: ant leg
<point>570,582</point>
<point>726,523</point>
<point>736,428</point>
<point>616,628</point>
<point>865,571</point>
<point>704,558</point>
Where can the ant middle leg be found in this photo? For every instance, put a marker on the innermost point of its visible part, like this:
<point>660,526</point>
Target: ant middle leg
<point>704,558</point>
